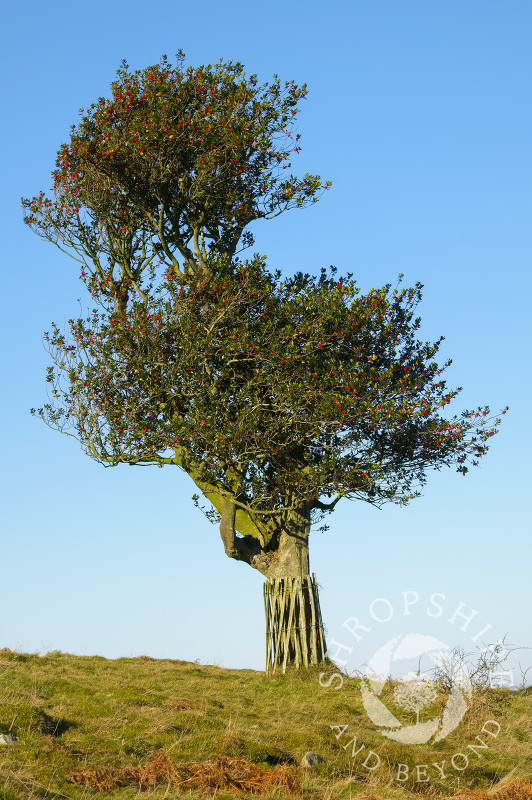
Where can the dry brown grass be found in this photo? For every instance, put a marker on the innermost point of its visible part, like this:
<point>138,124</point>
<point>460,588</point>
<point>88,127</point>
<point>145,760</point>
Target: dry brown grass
<point>468,794</point>
<point>516,789</point>
<point>218,773</point>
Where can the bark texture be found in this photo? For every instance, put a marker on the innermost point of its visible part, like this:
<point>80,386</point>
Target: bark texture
<point>294,627</point>
<point>286,553</point>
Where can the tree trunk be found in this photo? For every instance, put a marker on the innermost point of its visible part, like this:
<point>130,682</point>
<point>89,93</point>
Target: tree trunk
<point>294,627</point>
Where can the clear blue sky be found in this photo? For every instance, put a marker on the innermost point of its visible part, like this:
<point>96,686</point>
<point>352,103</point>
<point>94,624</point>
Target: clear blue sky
<point>420,115</point>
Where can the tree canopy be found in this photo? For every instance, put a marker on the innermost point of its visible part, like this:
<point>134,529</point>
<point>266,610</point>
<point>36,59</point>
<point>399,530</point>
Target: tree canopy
<point>278,397</point>
<point>174,166</point>
<point>271,393</point>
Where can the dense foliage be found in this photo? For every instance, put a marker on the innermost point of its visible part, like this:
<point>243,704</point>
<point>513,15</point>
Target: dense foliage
<point>275,394</point>
<point>174,166</point>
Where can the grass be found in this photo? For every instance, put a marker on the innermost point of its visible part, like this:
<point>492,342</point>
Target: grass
<point>132,727</point>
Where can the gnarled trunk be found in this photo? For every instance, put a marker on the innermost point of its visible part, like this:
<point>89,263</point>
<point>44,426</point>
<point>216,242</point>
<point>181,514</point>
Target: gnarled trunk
<point>294,627</point>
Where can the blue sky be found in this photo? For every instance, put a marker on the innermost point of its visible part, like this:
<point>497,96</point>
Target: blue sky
<point>419,113</point>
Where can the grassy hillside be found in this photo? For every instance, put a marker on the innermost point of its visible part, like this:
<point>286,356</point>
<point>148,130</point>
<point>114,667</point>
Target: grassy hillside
<point>131,727</point>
